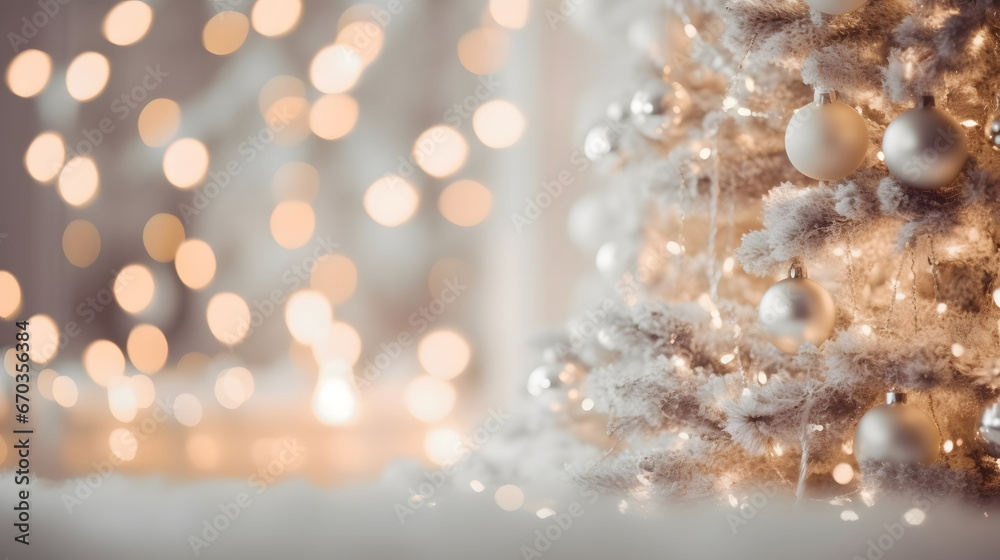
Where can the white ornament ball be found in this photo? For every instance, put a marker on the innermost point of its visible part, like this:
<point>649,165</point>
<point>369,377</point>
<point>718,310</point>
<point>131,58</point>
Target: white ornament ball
<point>835,7</point>
<point>795,311</point>
<point>989,429</point>
<point>826,140</point>
<point>600,141</point>
<point>657,106</point>
<point>896,432</point>
<point>925,147</point>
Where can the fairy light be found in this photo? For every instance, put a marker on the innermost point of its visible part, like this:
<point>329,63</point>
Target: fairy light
<point>957,350</point>
<point>690,30</point>
<point>866,330</point>
<point>733,501</point>
<point>880,156</point>
<point>843,473</point>
<point>728,265</point>
<point>839,252</point>
<point>849,515</point>
<point>477,486</point>
<point>587,404</point>
<point>942,307</point>
<point>914,516</point>
<point>726,358</point>
<point>728,103</point>
<point>744,112</point>
<point>762,378</point>
<point>996,297</point>
<point>949,446</point>
<point>749,84</point>
<point>969,123</point>
<point>674,248</point>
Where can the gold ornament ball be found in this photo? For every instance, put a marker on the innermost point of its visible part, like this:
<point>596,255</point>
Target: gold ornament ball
<point>896,432</point>
<point>835,7</point>
<point>795,311</point>
<point>925,147</point>
<point>826,140</point>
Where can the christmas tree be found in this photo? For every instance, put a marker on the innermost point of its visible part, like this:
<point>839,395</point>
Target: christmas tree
<point>799,242</point>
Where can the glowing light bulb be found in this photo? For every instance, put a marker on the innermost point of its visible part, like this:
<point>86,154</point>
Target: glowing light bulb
<point>335,400</point>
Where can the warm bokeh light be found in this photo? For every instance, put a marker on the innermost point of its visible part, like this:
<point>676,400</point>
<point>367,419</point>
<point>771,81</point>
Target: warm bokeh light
<point>335,276</point>
<point>44,338</point>
<point>465,203</point>
<point>442,446</point>
<point>335,69</point>
<point>509,497</point>
<point>512,14</point>
<point>295,180</point>
<point>121,399</point>
<point>278,88</point>
<point>292,223</point>
<point>391,200</point>
<point>147,348</point>
<point>288,118</point>
<point>123,444</point>
<point>187,409</point>
<point>81,243</point>
<point>10,295</point>
<point>103,361</point>
<point>363,37</point>
<point>134,288</point>
<point>333,116</point>
<point>359,12</point>
<point>440,151</point>
<point>273,18</point>
<point>342,342</point>
<point>203,451</point>
<point>484,51</point>
<point>225,32</point>
<point>29,72</point>
<point>87,75</point>
<point>128,22</point>
<point>185,163</point>
<point>233,387</point>
<point>444,353</point>
<point>195,263</point>
<point>162,235</point>
<point>144,390</point>
<point>429,399</point>
<point>308,315</point>
<point>228,317</point>
<point>843,473</point>
<point>45,156</point>
<point>498,123</point>
<point>64,391</point>
<point>79,181</point>
<point>159,121</point>
<point>335,399</point>
<point>44,382</point>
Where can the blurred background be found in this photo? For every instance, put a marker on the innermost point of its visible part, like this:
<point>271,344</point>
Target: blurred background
<point>233,222</point>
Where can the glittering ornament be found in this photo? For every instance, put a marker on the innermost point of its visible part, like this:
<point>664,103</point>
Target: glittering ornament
<point>835,7</point>
<point>925,147</point>
<point>658,106</point>
<point>896,432</point>
<point>826,140</point>
<point>994,133</point>
<point>556,384</point>
<point>989,429</point>
<point>795,311</point>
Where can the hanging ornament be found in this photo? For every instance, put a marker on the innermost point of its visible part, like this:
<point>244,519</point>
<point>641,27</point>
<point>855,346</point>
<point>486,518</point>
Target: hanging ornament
<point>896,432</point>
<point>826,140</point>
<point>989,429</point>
<point>994,133</point>
<point>925,147</point>
<point>835,7</point>
<point>602,139</point>
<point>796,310</point>
<point>658,106</point>
<point>556,384</point>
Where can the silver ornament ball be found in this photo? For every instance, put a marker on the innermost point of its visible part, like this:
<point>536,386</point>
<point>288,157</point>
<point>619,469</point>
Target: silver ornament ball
<point>826,140</point>
<point>556,384</point>
<point>795,311</point>
<point>896,432</point>
<point>658,106</point>
<point>994,134</point>
<point>989,429</point>
<point>925,147</point>
<point>835,7</point>
<point>600,141</point>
